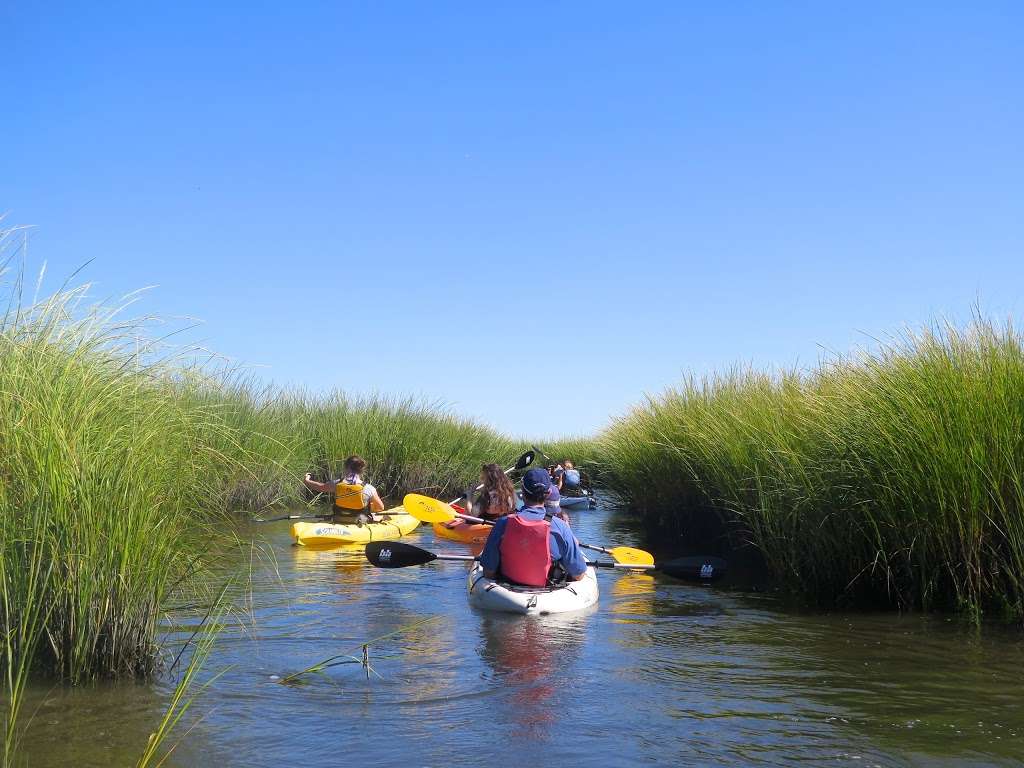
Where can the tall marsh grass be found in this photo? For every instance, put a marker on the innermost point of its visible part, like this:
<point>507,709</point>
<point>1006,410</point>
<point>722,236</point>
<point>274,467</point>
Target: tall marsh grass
<point>894,477</point>
<point>120,463</point>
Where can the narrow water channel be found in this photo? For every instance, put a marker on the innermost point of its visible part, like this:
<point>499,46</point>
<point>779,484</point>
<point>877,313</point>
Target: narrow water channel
<point>661,672</point>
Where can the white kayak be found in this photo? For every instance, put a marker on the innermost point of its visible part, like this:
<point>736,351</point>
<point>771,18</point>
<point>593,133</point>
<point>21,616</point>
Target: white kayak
<point>489,595</point>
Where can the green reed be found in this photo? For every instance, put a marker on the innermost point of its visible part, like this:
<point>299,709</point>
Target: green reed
<point>120,463</point>
<point>893,477</point>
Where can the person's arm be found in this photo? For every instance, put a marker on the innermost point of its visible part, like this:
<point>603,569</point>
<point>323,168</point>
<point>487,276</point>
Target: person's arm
<point>490,558</point>
<point>376,505</point>
<point>317,487</point>
<point>573,561</point>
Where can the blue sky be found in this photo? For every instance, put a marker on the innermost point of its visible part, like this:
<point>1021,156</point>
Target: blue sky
<point>534,212</point>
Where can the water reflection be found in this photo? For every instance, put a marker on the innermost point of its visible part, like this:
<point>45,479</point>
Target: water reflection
<point>661,672</point>
<point>534,658</point>
<point>632,596</point>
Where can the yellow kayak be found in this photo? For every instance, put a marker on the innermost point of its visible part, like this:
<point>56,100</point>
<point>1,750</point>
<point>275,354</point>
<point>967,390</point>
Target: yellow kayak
<point>395,522</point>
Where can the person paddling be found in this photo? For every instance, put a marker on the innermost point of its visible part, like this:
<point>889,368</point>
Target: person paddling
<point>351,495</point>
<point>529,548</point>
<point>571,479</point>
<point>553,499</point>
<point>498,496</point>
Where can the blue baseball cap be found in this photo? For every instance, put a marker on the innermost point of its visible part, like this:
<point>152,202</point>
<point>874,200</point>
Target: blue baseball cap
<point>536,482</point>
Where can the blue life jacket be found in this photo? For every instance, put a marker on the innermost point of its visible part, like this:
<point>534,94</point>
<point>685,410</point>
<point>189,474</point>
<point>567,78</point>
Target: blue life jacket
<point>571,479</point>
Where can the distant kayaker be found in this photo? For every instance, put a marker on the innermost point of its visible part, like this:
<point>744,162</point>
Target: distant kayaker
<point>571,480</point>
<point>498,496</point>
<point>553,503</point>
<point>529,547</point>
<point>351,495</point>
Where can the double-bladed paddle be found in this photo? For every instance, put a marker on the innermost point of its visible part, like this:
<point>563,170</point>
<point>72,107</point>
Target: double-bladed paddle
<point>291,517</point>
<point>428,510</point>
<point>521,463</point>
<point>398,554</point>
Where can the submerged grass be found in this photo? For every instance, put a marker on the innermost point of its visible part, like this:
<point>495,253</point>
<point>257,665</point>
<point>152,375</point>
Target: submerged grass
<point>895,477</point>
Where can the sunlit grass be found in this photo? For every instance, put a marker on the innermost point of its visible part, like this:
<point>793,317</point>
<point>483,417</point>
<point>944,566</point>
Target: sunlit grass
<point>122,461</point>
<point>893,477</point>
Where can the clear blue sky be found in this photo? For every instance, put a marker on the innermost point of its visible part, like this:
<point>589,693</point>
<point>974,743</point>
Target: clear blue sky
<point>394,197</point>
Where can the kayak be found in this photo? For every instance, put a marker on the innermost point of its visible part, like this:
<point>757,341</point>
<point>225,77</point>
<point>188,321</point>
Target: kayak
<point>489,595</point>
<point>576,502</point>
<point>571,502</point>
<point>395,523</point>
<point>462,530</point>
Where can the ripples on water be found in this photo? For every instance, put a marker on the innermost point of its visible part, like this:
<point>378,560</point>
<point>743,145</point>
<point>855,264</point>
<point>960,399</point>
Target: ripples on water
<point>661,672</point>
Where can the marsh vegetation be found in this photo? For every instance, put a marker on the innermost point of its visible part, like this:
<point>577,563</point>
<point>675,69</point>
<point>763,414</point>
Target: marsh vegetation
<point>892,477</point>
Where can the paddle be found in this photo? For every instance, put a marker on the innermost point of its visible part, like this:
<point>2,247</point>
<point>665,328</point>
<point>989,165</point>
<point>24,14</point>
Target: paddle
<point>584,493</point>
<point>398,554</point>
<point>291,517</point>
<point>430,510</point>
<point>521,463</point>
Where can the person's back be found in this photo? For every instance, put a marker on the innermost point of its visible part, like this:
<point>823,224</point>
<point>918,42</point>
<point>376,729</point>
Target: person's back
<point>571,480</point>
<point>497,497</point>
<point>553,502</point>
<point>527,547</point>
<point>352,496</point>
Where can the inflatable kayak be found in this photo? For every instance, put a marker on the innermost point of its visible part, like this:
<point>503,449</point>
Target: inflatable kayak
<point>394,524</point>
<point>462,530</point>
<point>489,595</point>
<point>576,502</point>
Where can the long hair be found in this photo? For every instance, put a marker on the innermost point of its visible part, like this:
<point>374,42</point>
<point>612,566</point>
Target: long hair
<point>355,464</point>
<point>497,497</point>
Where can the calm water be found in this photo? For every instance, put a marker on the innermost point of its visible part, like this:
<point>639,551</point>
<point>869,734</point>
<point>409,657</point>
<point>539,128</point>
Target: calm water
<point>661,672</point>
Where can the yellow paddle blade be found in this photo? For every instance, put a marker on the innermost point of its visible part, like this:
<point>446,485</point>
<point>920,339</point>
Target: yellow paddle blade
<point>632,556</point>
<point>428,510</point>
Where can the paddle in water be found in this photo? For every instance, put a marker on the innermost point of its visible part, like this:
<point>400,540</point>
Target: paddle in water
<point>398,554</point>
<point>429,510</point>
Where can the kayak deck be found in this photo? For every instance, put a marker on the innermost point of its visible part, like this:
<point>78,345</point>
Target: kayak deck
<point>394,524</point>
<point>490,595</point>
<point>460,530</point>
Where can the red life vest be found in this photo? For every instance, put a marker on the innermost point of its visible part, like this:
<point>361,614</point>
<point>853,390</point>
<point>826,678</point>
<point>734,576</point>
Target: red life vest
<point>525,553</point>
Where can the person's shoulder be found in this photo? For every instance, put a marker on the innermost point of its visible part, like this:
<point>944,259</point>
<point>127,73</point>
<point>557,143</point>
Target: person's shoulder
<point>558,524</point>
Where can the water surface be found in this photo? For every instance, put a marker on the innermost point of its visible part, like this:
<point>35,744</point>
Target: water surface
<point>659,672</point>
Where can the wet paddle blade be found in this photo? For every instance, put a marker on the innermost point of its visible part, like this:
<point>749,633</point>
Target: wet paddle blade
<point>396,554</point>
<point>631,555</point>
<point>426,509</point>
<point>695,568</point>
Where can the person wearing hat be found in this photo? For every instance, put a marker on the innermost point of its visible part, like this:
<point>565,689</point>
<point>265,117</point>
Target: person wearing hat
<point>529,547</point>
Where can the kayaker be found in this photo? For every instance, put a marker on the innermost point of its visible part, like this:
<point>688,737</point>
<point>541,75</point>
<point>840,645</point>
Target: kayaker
<point>571,480</point>
<point>553,503</point>
<point>498,496</point>
<point>351,495</point>
<point>529,547</point>
<point>555,471</point>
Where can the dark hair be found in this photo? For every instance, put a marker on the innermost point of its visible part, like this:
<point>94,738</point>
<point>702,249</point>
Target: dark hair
<point>355,464</point>
<point>496,481</point>
<point>531,500</point>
